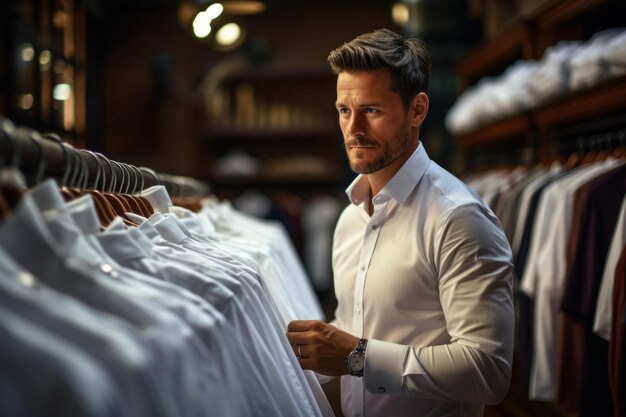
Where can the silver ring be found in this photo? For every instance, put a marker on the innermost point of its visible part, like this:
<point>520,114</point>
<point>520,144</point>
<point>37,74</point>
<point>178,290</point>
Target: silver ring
<point>299,351</point>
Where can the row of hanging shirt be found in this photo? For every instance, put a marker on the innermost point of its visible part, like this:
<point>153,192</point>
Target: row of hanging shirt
<point>567,228</point>
<point>182,315</point>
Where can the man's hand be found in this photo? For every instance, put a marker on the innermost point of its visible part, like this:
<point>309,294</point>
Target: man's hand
<point>321,347</point>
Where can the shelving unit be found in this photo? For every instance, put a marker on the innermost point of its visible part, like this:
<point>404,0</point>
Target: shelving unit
<point>534,129</point>
<point>490,57</point>
<point>604,99</point>
<point>225,136</point>
<point>43,53</point>
<point>283,118</point>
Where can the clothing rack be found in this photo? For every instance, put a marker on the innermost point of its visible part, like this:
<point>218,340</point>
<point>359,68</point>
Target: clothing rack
<point>604,134</point>
<point>38,156</point>
<point>502,157</point>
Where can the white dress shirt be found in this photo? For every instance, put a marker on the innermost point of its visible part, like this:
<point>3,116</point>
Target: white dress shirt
<point>427,279</point>
<point>603,318</point>
<point>524,205</point>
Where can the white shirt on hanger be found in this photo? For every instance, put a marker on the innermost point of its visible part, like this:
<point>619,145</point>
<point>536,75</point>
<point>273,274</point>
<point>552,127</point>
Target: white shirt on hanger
<point>603,319</point>
<point>524,205</point>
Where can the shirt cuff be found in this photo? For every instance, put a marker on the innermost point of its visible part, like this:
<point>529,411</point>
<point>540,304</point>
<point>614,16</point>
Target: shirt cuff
<point>323,379</point>
<point>383,367</point>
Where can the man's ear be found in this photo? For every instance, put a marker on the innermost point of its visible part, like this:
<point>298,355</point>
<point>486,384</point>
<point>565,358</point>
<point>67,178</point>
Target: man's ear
<point>418,109</point>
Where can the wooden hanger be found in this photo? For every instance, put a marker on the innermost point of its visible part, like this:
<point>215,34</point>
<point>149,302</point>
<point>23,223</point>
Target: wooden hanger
<point>142,205</point>
<point>618,150</point>
<point>128,200</point>
<point>5,209</point>
<point>144,201</point>
<point>148,210</point>
<point>575,159</point>
<point>107,205</point>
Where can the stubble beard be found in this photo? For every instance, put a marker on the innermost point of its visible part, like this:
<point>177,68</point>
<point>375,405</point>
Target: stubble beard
<point>390,152</point>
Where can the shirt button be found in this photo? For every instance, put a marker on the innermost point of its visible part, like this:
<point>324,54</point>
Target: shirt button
<point>108,269</point>
<point>26,279</point>
<point>357,311</point>
<point>381,389</point>
<point>374,226</point>
<point>363,268</point>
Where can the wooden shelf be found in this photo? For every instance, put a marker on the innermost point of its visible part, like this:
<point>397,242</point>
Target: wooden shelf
<point>496,132</point>
<point>600,100</point>
<point>564,11</point>
<point>516,42</point>
<point>582,106</point>
<point>520,41</point>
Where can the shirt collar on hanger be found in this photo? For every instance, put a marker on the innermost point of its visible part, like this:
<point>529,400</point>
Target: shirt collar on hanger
<point>158,197</point>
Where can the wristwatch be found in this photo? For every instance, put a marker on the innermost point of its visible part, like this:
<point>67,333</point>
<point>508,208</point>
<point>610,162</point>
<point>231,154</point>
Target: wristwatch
<point>355,360</point>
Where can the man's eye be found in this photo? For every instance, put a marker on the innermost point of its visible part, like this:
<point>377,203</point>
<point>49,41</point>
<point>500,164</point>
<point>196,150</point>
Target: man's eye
<point>371,110</point>
<point>344,111</point>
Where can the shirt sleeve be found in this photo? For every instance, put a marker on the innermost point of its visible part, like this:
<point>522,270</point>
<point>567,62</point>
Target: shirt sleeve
<point>475,288</point>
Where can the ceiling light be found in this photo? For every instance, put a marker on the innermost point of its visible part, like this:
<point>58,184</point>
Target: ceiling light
<point>202,25</point>
<point>400,14</point>
<point>214,10</point>
<point>228,35</point>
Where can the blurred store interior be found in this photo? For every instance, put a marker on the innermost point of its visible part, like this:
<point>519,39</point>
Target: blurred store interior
<point>238,95</point>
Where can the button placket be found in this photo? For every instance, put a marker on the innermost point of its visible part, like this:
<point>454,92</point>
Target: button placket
<point>370,237</point>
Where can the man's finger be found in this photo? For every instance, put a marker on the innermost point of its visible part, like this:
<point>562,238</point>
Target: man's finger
<point>303,338</point>
<point>300,350</point>
<point>300,325</point>
<point>307,363</point>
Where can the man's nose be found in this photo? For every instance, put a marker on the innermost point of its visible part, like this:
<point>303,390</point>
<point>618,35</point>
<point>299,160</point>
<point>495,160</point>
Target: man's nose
<point>355,126</point>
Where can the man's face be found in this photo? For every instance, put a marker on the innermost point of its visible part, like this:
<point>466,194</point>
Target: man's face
<point>373,120</point>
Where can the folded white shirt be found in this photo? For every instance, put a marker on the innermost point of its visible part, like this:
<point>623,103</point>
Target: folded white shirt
<point>586,65</point>
<point>550,79</point>
<point>614,54</point>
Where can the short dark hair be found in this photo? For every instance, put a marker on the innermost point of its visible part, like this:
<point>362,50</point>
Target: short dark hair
<point>407,60</point>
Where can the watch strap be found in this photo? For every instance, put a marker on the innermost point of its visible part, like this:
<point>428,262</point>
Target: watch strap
<point>360,351</point>
<point>361,346</point>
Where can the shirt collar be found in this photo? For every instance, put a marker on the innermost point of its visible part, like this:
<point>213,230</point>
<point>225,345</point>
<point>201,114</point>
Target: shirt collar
<point>83,211</point>
<point>121,246</point>
<point>158,198</point>
<point>170,230</point>
<point>400,185</point>
<point>48,197</point>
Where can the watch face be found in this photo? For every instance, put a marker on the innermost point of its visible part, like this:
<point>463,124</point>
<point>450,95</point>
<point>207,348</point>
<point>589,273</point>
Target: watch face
<point>356,362</point>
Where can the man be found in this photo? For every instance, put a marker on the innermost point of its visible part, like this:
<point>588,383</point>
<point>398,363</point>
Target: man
<point>424,323</point>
